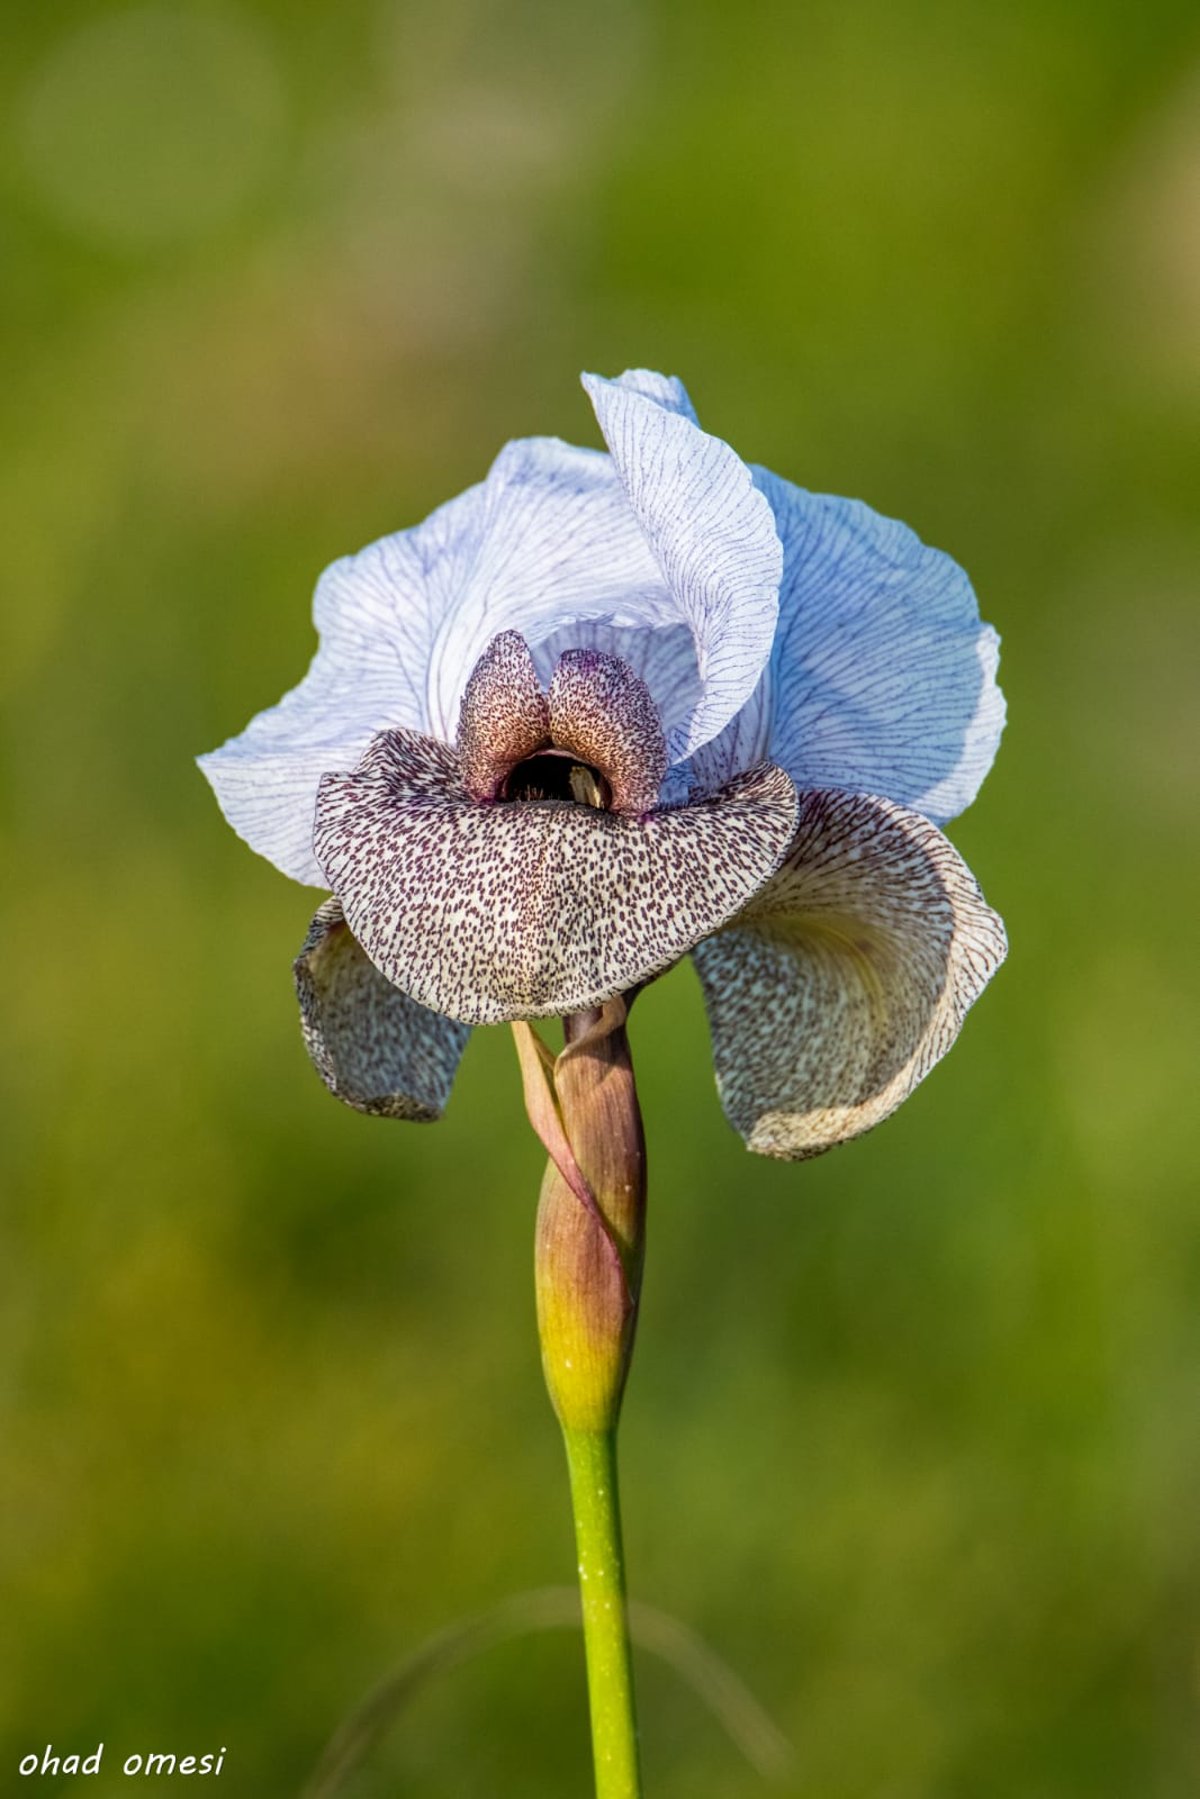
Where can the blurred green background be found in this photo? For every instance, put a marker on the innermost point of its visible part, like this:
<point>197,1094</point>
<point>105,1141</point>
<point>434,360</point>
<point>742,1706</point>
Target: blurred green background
<point>913,1436</point>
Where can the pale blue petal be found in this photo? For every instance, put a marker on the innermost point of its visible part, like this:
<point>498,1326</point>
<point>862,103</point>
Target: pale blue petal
<point>883,679</point>
<point>742,744</point>
<point>269,797</point>
<point>556,544</point>
<point>377,614</point>
<point>667,391</point>
<point>711,531</point>
<point>546,541</point>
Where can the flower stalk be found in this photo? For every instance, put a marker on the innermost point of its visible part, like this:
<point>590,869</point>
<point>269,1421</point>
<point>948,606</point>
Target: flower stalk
<point>588,1266</point>
<point>592,1464</point>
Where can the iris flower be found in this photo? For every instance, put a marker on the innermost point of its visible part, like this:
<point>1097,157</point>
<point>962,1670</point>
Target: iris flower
<point>610,708</point>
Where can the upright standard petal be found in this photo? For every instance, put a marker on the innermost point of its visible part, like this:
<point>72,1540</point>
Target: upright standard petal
<point>556,545</point>
<point>882,679</point>
<point>742,743</point>
<point>666,391</point>
<point>712,532</point>
<point>849,976</point>
<point>377,614</point>
<point>373,1047</point>
<point>532,908</point>
<point>546,546</point>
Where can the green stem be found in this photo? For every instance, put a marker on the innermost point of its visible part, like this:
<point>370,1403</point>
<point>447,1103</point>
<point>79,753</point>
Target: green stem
<point>592,1461</point>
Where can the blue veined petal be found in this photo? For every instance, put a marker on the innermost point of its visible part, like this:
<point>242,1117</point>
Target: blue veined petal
<point>377,614</point>
<point>742,743</point>
<point>556,544</point>
<point>711,530</point>
<point>883,677</point>
<point>667,391</point>
<point>546,543</point>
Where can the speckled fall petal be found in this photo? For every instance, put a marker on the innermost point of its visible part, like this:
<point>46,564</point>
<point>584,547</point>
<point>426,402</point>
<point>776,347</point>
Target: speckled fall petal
<point>847,978</point>
<point>372,1045</point>
<point>533,908</point>
<point>602,712</point>
<point>505,715</point>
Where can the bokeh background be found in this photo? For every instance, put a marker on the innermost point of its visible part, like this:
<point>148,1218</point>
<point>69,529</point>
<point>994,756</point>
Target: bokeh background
<point>913,1436</point>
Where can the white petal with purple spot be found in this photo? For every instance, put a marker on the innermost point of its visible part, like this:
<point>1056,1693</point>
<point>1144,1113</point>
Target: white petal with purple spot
<point>374,1048</point>
<point>532,908</point>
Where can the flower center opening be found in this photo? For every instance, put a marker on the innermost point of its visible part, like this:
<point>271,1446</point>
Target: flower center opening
<point>557,775</point>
